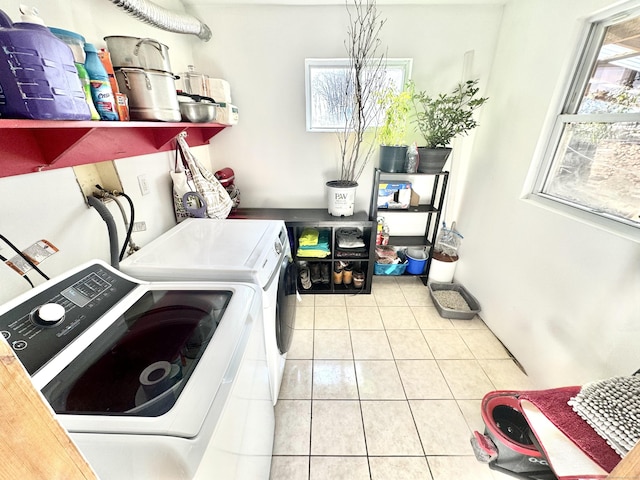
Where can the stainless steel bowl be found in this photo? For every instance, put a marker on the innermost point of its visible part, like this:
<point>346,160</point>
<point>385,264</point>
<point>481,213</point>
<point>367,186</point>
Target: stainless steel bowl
<point>198,112</point>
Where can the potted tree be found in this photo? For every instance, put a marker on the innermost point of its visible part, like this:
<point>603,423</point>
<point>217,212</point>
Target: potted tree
<point>441,118</point>
<point>365,76</point>
<point>396,107</point>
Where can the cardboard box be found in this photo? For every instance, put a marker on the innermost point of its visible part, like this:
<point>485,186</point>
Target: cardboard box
<point>415,199</point>
<point>396,195</point>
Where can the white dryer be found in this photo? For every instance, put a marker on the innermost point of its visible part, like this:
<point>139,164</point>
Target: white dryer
<point>151,380</point>
<point>239,250</point>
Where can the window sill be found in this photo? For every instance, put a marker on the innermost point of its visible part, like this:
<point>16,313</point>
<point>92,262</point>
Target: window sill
<point>607,225</point>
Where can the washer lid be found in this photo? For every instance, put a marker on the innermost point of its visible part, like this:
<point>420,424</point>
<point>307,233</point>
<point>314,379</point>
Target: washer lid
<point>141,363</point>
<point>120,383</point>
<point>207,249</point>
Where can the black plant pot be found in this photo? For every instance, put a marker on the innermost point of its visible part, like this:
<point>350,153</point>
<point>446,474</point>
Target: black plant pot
<point>431,160</point>
<point>392,158</point>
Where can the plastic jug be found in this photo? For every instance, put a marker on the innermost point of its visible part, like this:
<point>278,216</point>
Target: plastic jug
<point>75,42</point>
<point>38,78</point>
<point>101,92</point>
<point>86,88</point>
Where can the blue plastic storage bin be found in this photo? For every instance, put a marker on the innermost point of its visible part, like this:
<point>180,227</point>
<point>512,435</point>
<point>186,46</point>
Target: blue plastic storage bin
<point>389,269</point>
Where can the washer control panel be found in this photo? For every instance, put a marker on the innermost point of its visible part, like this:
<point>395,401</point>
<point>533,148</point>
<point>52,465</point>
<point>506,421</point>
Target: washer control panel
<point>43,325</point>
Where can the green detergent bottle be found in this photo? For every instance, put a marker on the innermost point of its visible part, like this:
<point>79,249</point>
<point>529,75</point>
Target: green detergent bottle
<point>86,88</point>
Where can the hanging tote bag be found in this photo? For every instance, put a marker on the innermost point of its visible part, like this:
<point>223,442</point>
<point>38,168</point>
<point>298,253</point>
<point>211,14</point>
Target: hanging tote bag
<point>198,179</point>
<point>183,187</point>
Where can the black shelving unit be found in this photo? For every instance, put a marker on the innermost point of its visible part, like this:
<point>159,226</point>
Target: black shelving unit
<point>431,206</point>
<point>297,219</point>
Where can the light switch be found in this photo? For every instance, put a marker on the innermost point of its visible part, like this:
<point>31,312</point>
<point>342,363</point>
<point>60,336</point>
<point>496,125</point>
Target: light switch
<point>143,182</point>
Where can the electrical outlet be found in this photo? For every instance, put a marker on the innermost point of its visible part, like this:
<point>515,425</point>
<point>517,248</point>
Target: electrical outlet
<point>139,226</point>
<point>143,182</point>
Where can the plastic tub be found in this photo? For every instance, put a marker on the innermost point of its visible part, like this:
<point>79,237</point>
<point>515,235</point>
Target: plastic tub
<point>389,268</point>
<point>74,40</point>
<point>474,306</point>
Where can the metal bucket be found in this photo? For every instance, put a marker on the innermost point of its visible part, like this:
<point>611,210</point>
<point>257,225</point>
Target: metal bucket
<point>152,94</point>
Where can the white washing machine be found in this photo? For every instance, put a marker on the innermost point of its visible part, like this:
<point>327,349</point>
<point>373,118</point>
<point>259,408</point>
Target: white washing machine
<point>245,250</point>
<point>151,380</point>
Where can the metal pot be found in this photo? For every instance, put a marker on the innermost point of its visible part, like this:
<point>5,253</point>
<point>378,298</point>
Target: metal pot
<point>152,94</point>
<point>133,52</point>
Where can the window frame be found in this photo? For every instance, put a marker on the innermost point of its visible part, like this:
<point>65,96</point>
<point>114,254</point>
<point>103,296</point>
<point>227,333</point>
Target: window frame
<point>589,45</point>
<point>341,63</point>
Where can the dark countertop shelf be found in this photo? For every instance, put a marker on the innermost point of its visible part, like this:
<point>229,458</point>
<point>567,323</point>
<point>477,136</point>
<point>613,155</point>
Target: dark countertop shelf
<point>299,215</point>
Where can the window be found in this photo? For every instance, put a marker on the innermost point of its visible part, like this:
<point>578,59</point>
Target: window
<point>325,81</point>
<point>593,159</point>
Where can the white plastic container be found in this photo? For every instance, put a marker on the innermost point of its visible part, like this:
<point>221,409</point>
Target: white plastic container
<point>341,198</point>
<point>219,89</point>
<point>227,113</point>
<point>442,272</point>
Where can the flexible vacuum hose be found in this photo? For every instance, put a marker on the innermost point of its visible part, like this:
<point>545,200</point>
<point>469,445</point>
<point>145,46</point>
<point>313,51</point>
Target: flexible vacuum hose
<point>163,18</point>
<point>111,227</point>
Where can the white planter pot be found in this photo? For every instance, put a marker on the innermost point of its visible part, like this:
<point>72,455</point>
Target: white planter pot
<point>342,197</point>
<point>442,272</point>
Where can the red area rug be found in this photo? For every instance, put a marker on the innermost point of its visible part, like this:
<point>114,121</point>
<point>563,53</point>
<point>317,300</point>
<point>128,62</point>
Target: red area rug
<point>553,404</point>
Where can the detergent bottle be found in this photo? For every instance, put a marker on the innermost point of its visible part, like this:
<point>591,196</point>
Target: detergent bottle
<point>76,43</point>
<point>38,78</point>
<point>101,91</point>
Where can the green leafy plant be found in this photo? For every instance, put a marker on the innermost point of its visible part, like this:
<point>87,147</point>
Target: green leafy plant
<point>396,107</point>
<point>441,118</point>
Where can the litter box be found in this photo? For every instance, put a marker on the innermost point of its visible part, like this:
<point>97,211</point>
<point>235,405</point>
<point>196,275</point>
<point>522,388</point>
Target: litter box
<point>448,312</point>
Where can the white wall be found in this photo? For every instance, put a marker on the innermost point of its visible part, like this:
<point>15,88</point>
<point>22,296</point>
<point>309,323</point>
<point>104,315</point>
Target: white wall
<point>261,50</point>
<point>50,204</point>
<point>562,295</point>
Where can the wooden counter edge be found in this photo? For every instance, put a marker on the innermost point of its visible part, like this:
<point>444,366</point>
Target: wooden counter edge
<point>629,466</point>
<point>33,444</point>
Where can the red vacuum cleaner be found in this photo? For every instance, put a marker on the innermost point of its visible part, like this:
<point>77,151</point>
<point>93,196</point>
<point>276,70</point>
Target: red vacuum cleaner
<point>508,444</point>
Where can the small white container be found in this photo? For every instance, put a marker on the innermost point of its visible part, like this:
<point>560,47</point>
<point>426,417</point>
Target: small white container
<point>442,272</point>
<point>227,114</point>
<point>219,89</point>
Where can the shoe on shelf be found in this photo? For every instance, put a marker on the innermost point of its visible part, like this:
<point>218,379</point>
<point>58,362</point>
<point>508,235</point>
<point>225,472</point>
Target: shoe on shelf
<point>358,279</point>
<point>315,273</point>
<point>347,275</point>
<point>337,275</point>
<point>305,277</point>
<point>324,272</point>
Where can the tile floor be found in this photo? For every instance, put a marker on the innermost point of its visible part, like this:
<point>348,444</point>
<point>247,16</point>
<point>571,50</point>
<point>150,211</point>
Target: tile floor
<point>380,387</point>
